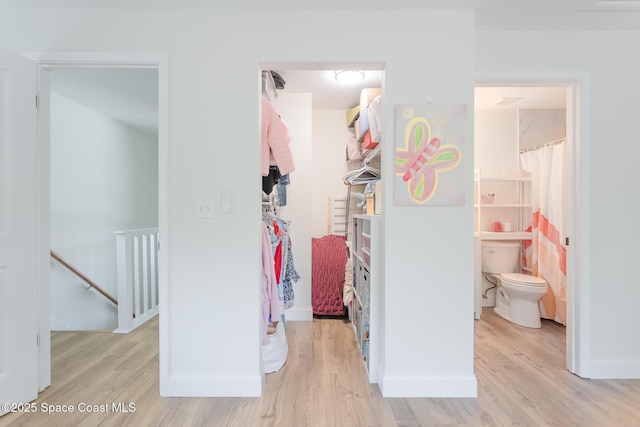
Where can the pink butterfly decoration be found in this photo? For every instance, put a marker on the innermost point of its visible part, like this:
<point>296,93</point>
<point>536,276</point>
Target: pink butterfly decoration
<point>423,160</point>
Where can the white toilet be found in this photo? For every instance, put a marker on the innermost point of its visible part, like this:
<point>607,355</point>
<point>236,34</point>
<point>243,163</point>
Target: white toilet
<point>517,295</point>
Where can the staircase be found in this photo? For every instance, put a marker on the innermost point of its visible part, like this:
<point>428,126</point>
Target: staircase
<point>136,276</point>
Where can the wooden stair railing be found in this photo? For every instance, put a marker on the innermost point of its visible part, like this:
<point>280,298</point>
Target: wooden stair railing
<point>88,281</point>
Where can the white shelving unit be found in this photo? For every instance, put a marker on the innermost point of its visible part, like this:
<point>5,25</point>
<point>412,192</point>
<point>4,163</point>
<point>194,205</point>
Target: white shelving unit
<point>511,203</point>
<point>364,309</point>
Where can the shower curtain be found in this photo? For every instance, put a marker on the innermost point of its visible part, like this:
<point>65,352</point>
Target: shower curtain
<point>545,253</point>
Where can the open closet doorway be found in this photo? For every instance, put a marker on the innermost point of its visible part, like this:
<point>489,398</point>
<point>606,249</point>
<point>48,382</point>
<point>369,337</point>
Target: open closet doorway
<point>315,106</point>
<point>527,140</point>
<point>115,108</point>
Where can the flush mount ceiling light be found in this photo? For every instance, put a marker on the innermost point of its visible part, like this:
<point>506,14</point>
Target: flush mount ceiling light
<point>349,76</point>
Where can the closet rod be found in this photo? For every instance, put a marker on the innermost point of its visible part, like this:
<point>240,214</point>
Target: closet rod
<point>524,150</point>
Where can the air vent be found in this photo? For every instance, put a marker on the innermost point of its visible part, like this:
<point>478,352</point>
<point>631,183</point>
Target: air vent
<point>507,100</point>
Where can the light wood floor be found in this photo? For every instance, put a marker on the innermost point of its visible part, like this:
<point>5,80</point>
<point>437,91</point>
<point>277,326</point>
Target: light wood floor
<point>521,376</point>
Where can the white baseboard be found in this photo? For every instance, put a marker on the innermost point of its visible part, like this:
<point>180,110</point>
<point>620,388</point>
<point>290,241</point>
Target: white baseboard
<point>615,369</point>
<point>213,386</point>
<point>299,314</point>
<point>56,325</point>
<point>380,378</point>
<point>404,386</point>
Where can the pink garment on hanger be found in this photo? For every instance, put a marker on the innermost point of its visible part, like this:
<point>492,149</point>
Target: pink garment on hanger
<point>270,298</point>
<point>277,256</point>
<point>275,141</point>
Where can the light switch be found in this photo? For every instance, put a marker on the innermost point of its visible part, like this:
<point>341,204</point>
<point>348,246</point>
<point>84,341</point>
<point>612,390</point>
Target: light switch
<point>204,208</point>
<point>225,200</point>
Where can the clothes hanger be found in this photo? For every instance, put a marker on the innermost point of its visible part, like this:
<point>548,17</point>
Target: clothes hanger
<point>362,175</point>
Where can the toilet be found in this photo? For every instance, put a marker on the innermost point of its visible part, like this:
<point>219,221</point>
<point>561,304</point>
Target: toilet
<point>517,295</point>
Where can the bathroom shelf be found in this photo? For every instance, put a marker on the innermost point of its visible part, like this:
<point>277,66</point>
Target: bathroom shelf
<point>512,203</point>
<point>503,179</point>
<point>503,205</point>
<point>504,235</point>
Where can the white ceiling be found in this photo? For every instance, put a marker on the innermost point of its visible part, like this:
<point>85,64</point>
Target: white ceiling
<point>520,97</point>
<point>131,95</point>
<point>327,93</point>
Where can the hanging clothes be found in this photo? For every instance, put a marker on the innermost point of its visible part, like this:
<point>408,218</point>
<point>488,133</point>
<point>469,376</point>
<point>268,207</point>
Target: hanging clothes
<point>281,248</point>
<point>275,141</point>
<point>282,189</point>
<point>269,181</point>
<point>290,276</point>
<point>270,299</point>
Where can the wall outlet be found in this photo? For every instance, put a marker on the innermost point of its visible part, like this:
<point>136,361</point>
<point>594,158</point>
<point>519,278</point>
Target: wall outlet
<point>204,208</point>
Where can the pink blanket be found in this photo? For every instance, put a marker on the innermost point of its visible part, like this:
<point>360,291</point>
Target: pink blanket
<point>329,256</point>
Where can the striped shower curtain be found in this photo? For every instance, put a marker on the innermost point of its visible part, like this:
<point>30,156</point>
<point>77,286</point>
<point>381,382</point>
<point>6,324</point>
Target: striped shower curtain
<point>545,253</point>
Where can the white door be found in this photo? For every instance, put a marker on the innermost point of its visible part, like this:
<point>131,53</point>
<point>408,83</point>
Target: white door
<point>19,220</point>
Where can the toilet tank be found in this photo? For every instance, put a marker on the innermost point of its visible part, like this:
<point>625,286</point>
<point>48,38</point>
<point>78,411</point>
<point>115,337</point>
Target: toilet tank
<point>499,256</point>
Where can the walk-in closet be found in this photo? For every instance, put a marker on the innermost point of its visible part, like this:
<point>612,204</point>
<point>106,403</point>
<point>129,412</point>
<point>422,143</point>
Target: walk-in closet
<point>323,205</point>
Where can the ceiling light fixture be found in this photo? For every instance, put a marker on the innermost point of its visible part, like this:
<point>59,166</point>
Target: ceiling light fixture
<point>349,76</point>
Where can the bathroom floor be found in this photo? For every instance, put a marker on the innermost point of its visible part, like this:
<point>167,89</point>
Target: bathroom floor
<point>522,374</point>
<point>545,346</point>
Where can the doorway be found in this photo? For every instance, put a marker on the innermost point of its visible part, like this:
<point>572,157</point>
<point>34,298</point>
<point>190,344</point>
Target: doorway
<point>577,173</point>
<point>98,61</point>
<point>104,155</point>
<point>314,107</point>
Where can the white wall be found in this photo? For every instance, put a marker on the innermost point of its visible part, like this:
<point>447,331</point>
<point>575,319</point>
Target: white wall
<point>541,125</point>
<point>496,150</point>
<point>496,141</point>
<point>330,137</point>
<point>613,90</point>
<point>214,264</point>
<point>104,178</point>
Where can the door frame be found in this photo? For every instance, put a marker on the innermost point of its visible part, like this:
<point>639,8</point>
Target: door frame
<point>160,61</point>
<point>578,335</point>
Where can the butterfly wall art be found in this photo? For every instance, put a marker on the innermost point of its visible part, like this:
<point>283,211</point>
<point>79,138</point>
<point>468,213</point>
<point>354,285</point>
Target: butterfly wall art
<point>429,149</point>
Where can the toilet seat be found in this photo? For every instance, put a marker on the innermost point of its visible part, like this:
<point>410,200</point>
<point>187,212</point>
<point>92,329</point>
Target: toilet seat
<point>524,280</point>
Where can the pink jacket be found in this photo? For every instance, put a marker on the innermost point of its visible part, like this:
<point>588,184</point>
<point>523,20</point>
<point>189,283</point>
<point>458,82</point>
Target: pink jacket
<point>275,141</point>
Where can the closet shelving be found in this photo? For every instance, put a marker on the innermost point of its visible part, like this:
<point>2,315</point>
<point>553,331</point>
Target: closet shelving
<point>363,233</point>
<point>364,309</point>
<point>359,178</point>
